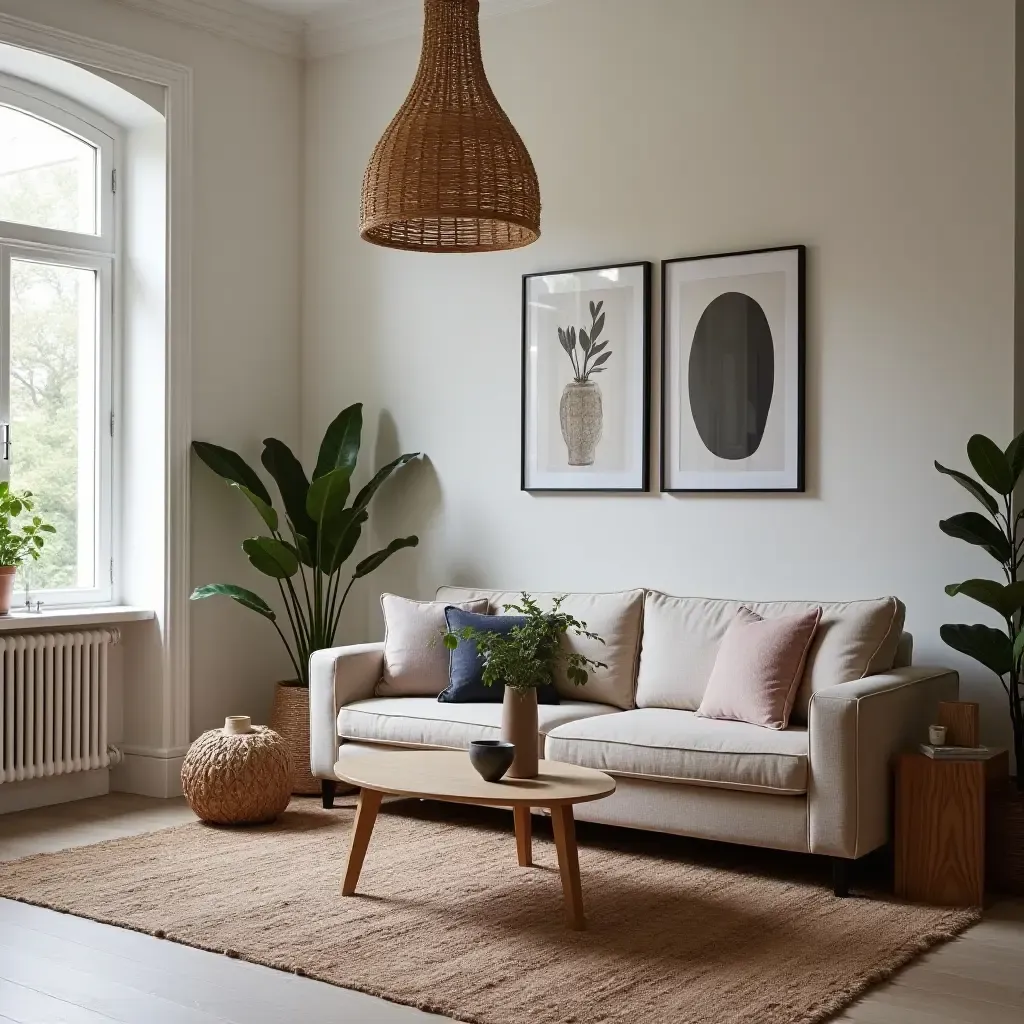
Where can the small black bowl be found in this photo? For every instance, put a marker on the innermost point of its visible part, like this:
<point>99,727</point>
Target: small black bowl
<point>491,758</point>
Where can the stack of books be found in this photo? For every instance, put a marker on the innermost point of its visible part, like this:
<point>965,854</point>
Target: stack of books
<point>958,753</point>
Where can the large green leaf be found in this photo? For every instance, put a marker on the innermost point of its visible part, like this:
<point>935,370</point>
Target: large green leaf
<point>340,536</point>
<point>232,467</point>
<point>1018,647</point>
<point>974,528</point>
<point>271,557</point>
<point>340,446</point>
<point>1005,598</point>
<point>244,597</point>
<point>990,646</point>
<point>378,558</point>
<point>291,481</point>
<point>364,496</point>
<point>990,463</point>
<point>327,496</point>
<point>267,512</point>
<point>1015,456</point>
<point>972,485</point>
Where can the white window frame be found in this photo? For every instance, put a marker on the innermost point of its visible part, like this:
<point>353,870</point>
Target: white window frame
<point>98,252</point>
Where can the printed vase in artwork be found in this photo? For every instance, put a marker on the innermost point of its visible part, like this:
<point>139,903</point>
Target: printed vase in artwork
<point>582,417</point>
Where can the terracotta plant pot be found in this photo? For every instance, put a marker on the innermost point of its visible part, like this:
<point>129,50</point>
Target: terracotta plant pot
<point>1006,839</point>
<point>519,727</point>
<point>6,587</point>
<point>289,718</point>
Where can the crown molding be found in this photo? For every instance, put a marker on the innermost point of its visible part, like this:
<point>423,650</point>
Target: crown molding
<point>354,24</point>
<point>234,19</point>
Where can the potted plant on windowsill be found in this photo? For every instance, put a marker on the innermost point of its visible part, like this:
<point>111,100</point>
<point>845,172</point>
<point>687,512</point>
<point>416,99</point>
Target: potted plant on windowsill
<point>1000,650</point>
<point>304,552</point>
<point>19,542</point>
<point>524,659</point>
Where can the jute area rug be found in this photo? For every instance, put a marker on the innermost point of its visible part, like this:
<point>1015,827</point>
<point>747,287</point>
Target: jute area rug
<point>446,921</point>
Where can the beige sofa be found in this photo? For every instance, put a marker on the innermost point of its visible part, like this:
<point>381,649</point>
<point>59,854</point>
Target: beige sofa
<point>821,786</point>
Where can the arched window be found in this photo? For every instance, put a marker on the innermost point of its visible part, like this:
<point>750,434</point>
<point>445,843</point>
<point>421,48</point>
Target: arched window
<point>58,266</point>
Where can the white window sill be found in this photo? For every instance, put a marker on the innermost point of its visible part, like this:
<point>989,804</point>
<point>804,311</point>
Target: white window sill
<point>57,618</point>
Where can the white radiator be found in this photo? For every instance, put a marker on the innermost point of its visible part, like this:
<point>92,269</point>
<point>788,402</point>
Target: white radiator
<point>53,703</point>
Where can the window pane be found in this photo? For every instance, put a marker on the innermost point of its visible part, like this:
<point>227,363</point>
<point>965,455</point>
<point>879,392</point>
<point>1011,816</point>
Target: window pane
<point>53,414</point>
<point>47,175</point>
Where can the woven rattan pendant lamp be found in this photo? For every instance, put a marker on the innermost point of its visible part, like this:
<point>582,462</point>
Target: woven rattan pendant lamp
<point>450,173</point>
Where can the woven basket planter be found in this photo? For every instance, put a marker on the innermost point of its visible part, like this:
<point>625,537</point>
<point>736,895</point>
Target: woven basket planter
<point>1006,839</point>
<point>237,778</point>
<point>289,717</point>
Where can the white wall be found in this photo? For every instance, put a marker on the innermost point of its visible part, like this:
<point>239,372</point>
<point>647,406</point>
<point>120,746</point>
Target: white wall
<point>879,134</point>
<point>246,254</point>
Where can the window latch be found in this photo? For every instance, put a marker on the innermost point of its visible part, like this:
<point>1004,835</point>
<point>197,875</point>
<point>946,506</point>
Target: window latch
<point>5,442</point>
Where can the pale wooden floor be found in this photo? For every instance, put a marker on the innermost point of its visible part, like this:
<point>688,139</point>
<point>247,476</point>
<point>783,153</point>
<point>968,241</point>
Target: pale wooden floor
<point>56,969</point>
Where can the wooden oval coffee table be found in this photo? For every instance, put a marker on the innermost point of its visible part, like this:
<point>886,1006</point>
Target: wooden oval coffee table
<point>448,775</point>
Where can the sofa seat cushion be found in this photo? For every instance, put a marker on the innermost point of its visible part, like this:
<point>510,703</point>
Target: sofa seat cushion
<point>676,746</point>
<point>615,617</point>
<point>426,722</point>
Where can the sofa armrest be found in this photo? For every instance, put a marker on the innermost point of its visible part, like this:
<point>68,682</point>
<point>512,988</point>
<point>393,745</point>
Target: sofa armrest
<point>854,731</point>
<point>337,676</point>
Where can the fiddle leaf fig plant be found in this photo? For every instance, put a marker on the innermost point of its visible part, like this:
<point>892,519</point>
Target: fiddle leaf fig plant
<point>996,532</point>
<point>306,547</point>
<point>525,658</point>
<point>594,351</point>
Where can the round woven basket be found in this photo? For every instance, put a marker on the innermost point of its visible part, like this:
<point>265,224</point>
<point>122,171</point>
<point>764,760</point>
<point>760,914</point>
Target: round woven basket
<point>237,779</point>
<point>290,718</point>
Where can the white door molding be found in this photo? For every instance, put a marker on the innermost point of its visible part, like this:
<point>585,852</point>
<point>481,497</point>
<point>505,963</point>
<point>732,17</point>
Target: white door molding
<point>176,79</point>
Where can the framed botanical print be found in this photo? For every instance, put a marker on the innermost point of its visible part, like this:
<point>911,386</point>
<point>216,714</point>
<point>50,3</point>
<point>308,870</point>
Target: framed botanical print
<point>586,379</point>
<point>732,372</point>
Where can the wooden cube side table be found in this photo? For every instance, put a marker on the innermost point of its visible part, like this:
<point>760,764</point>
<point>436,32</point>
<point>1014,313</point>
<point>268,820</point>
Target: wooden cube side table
<point>940,827</point>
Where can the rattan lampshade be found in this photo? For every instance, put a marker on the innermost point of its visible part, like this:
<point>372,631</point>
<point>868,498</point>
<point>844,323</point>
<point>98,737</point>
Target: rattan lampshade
<point>450,173</point>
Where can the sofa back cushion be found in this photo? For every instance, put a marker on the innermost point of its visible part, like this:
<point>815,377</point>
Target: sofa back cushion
<point>616,617</point>
<point>415,660</point>
<point>682,634</point>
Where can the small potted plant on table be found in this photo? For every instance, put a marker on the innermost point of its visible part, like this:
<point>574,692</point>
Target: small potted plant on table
<point>524,659</point>
<point>18,542</point>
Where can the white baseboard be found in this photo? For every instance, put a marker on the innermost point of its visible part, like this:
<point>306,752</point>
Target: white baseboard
<point>148,774</point>
<point>53,789</point>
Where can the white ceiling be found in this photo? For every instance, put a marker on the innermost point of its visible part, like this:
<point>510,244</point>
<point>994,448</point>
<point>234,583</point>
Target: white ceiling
<point>334,26</point>
<point>316,28</point>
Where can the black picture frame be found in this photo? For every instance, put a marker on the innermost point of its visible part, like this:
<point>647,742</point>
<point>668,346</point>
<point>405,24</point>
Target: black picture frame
<point>644,483</point>
<point>798,485</point>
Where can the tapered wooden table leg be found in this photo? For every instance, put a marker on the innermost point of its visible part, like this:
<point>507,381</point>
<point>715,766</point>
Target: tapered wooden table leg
<point>524,836</point>
<point>568,863</point>
<point>366,815</point>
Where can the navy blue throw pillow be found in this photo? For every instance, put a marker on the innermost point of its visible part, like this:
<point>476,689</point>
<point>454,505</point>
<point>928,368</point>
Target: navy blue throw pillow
<point>466,666</point>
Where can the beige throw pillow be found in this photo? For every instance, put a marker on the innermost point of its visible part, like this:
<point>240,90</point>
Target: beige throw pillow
<point>758,668</point>
<point>413,667</point>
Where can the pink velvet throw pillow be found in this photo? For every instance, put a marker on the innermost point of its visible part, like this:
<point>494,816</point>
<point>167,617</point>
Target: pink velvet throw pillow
<point>758,668</point>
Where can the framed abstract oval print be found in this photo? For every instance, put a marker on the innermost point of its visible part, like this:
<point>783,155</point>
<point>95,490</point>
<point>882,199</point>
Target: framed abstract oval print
<point>586,379</point>
<point>732,372</point>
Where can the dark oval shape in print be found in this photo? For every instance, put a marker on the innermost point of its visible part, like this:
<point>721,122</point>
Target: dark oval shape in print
<point>732,375</point>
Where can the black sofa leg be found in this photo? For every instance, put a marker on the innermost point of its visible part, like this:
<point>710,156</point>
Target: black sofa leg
<point>840,876</point>
<point>327,789</point>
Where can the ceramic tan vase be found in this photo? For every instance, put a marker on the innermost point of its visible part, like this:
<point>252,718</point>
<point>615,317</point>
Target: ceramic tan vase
<point>289,718</point>
<point>519,726</point>
<point>582,418</point>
